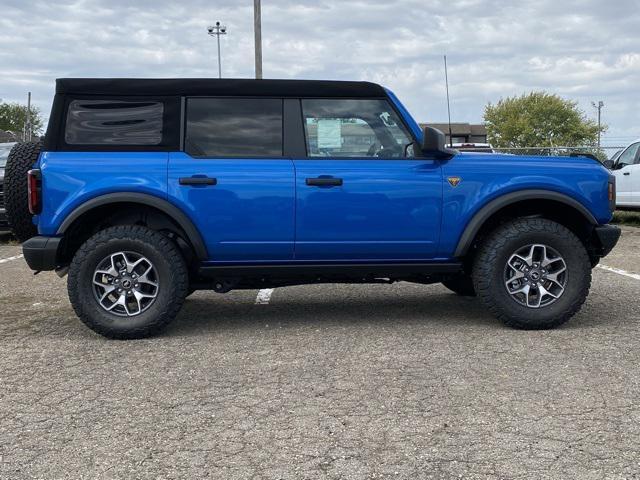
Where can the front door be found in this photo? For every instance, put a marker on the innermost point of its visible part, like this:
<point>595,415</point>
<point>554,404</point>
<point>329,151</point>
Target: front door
<point>361,193</point>
<point>233,180</point>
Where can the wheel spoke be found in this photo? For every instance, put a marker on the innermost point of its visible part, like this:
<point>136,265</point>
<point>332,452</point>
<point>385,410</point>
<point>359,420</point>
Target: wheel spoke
<point>119,301</point>
<point>544,291</point>
<point>144,278</point>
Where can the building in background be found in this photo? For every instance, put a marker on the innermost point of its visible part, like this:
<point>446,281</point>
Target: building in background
<point>461,132</point>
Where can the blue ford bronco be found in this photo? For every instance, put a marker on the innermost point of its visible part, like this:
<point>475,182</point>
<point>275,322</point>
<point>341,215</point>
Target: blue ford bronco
<point>145,190</point>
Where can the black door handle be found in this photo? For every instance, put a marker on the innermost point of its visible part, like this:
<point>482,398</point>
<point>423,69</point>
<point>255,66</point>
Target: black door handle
<point>324,182</point>
<point>627,173</point>
<point>198,181</point>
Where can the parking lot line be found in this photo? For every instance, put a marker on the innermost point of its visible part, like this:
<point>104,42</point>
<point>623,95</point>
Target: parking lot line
<point>5,260</point>
<point>619,271</point>
<point>264,296</point>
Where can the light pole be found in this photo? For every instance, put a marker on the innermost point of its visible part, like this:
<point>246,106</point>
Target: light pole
<point>218,30</point>
<point>257,30</point>
<point>598,106</point>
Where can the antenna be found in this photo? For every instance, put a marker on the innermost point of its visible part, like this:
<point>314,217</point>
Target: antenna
<point>446,80</point>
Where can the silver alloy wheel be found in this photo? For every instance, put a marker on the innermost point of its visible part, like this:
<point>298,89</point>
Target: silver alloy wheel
<point>125,284</point>
<point>535,276</point>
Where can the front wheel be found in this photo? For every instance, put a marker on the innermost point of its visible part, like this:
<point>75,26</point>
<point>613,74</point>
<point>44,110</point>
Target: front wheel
<point>127,282</point>
<point>532,273</point>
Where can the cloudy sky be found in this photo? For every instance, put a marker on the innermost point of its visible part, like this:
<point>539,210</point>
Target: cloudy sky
<point>585,50</point>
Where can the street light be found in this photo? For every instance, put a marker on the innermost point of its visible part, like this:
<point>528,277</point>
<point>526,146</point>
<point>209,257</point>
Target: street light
<point>598,106</point>
<point>218,30</point>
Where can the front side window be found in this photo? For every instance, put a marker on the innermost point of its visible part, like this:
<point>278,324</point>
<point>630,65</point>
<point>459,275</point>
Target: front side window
<point>114,123</point>
<point>234,127</point>
<point>627,157</point>
<point>354,128</point>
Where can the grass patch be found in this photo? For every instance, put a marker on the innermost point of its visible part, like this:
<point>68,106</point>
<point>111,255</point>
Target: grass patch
<point>625,217</point>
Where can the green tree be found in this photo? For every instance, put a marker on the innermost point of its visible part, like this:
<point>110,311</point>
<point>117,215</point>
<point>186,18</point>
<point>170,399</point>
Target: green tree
<point>539,119</point>
<point>13,117</point>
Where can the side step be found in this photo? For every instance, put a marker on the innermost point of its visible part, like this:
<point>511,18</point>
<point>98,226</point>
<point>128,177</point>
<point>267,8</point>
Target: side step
<point>380,270</point>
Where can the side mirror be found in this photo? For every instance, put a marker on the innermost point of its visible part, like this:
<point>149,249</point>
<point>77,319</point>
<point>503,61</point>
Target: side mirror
<point>433,143</point>
<point>609,164</point>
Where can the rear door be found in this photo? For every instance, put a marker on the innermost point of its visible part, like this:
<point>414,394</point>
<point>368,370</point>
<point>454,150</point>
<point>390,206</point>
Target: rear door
<point>361,193</point>
<point>627,173</point>
<point>233,180</point>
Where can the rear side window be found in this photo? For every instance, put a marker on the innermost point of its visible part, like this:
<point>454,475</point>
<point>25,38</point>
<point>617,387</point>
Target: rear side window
<point>234,127</point>
<point>114,123</point>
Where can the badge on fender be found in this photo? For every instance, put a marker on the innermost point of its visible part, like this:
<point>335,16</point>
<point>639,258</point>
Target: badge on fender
<point>454,181</point>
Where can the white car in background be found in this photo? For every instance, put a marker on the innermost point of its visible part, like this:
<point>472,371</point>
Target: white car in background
<point>626,169</point>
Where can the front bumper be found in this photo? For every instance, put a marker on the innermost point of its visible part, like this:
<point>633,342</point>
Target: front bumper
<point>41,253</point>
<point>608,236</point>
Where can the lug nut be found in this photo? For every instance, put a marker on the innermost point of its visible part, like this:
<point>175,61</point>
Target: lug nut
<point>136,285</point>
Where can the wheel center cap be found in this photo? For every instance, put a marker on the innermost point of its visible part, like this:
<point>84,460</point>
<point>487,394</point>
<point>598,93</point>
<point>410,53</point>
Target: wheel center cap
<point>126,283</point>
<point>535,275</point>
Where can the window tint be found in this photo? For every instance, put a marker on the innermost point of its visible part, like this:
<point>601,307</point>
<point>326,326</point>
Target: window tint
<point>114,122</point>
<point>627,157</point>
<point>234,127</point>
<point>354,128</point>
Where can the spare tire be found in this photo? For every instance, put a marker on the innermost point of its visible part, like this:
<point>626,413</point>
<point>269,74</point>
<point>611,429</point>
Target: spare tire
<point>20,161</point>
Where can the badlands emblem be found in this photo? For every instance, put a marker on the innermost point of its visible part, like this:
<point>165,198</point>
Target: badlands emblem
<point>454,181</point>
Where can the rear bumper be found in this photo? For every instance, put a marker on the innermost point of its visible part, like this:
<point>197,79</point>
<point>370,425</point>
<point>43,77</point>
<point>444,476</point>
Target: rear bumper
<point>608,236</point>
<point>41,253</point>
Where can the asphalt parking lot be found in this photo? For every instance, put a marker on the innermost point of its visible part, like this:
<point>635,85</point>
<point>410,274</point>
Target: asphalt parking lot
<point>355,382</point>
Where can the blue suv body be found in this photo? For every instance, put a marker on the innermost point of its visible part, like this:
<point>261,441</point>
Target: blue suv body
<point>252,183</point>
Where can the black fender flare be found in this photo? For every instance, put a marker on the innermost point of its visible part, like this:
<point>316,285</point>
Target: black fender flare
<point>481,216</point>
<point>164,206</point>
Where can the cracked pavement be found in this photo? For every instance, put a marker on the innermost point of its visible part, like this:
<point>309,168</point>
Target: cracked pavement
<point>324,382</point>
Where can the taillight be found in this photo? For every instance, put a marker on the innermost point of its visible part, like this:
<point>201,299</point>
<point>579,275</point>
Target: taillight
<point>612,193</point>
<point>34,188</point>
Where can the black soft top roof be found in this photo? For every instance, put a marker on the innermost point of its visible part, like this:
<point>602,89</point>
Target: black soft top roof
<point>215,87</point>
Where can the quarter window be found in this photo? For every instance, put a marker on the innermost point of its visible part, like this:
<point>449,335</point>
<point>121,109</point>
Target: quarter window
<point>114,122</point>
<point>234,127</point>
<point>354,128</point>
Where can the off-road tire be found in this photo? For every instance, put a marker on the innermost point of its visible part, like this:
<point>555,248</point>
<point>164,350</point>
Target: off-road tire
<point>20,161</point>
<point>172,276</point>
<point>461,284</point>
<point>494,252</point>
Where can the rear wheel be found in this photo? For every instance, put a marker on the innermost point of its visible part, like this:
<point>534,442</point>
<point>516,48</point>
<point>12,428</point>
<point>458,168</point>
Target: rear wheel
<point>127,282</point>
<point>19,162</point>
<point>532,273</point>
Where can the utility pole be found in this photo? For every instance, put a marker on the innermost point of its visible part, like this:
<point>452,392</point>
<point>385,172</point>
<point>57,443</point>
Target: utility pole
<point>446,82</point>
<point>27,127</point>
<point>218,30</point>
<point>598,106</point>
<point>257,29</point>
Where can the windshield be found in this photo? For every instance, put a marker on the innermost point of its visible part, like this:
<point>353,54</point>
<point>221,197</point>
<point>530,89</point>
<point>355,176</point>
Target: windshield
<point>5,148</point>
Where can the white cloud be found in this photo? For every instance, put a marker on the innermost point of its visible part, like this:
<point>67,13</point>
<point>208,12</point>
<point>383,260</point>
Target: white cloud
<point>582,49</point>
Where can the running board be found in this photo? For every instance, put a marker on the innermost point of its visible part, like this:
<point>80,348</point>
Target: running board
<point>376,270</point>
